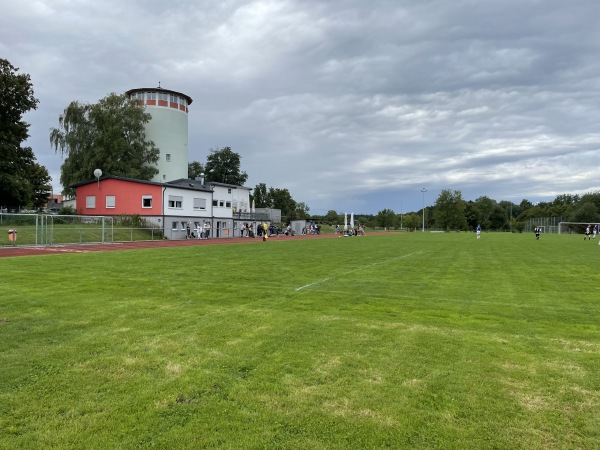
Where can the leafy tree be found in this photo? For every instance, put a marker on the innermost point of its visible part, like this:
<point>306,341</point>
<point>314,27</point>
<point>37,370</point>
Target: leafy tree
<point>593,197</point>
<point>566,199</point>
<point>282,199</point>
<point>195,169</point>
<point>411,220</point>
<point>21,179</point>
<point>40,184</point>
<point>261,196</point>
<point>449,210</point>
<point>483,208</point>
<point>517,225</point>
<point>301,211</point>
<point>471,215</point>
<point>499,219</point>
<point>109,135</point>
<point>332,217</point>
<point>387,218</point>
<point>585,211</point>
<point>279,199</point>
<point>223,166</point>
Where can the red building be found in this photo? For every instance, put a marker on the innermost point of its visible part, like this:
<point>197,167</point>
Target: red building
<point>114,196</point>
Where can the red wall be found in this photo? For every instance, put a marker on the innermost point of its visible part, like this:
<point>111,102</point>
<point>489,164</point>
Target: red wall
<point>128,198</point>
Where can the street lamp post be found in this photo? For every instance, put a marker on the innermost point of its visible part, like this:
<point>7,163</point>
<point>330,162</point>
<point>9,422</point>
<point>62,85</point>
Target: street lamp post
<point>423,191</point>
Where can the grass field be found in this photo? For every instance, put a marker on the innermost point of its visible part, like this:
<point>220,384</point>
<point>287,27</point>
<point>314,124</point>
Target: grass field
<point>384,341</point>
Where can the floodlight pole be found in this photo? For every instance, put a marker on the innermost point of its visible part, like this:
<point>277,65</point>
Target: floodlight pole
<point>400,214</point>
<point>423,191</point>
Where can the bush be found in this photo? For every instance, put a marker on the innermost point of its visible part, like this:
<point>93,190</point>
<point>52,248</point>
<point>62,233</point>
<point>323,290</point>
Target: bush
<point>67,211</point>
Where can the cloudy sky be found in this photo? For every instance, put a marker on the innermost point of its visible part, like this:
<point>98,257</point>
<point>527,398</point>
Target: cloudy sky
<point>352,105</point>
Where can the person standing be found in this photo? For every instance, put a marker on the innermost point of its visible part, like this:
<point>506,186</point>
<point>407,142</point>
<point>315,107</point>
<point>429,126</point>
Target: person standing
<point>478,231</point>
<point>537,233</point>
<point>595,231</point>
<point>587,233</point>
<point>206,230</point>
<point>265,229</point>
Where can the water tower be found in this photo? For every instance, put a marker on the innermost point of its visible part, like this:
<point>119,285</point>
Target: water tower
<point>168,129</point>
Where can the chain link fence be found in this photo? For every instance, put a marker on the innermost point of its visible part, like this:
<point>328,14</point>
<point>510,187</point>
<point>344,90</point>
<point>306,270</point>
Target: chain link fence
<point>48,229</point>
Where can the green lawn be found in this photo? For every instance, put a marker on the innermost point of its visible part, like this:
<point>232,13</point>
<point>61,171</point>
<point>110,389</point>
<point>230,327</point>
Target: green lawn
<point>384,341</point>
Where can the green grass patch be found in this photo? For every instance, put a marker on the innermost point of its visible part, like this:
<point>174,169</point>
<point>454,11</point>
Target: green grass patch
<point>384,341</point>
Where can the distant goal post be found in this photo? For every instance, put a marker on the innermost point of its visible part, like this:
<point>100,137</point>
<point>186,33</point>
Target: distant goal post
<point>574,227</point>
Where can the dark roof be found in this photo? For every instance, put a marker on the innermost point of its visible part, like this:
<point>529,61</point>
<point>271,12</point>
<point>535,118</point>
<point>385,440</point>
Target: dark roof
<point>215,183</point>
<point>183,183</point>
<point>189,184</point>
<point>110,177</point>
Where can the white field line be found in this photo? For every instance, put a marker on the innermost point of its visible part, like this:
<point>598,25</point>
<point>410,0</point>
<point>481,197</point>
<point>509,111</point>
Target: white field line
<point>387,261</point>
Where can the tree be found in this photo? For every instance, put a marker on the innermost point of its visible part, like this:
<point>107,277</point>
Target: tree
<point>333,217</point>
<point>223,166</point>
<point>20,176</point>
<point>449,210</point>
<point>586,211</point>
<point>411,220</point>
<point>301,211</point>
<point>593,197</point>
<point>499,219</point>
<point>109,135</point>
<point>261,196</point>
<point>195,169</point>
<point>483,209</point>
<point>387,218</point>
<point>282,199</point>
<point>40,185</point>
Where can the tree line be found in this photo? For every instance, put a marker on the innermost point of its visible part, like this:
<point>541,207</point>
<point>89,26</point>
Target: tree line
<point>451,212</point>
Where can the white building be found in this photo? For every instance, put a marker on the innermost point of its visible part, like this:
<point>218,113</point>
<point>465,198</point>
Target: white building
<point>168,129</point>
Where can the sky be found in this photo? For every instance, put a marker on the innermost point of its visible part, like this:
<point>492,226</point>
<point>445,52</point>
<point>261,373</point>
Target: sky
<point>351,105</point>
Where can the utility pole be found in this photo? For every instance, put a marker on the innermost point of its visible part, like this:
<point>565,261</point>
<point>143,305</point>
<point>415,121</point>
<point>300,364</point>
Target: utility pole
<point>423,191</point>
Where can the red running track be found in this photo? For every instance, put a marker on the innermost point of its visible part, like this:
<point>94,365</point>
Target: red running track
<point>140,245</point>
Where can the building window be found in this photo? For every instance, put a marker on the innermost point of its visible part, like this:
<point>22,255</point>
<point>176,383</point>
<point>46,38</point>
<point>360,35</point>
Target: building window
<point>151,95</point>
<point>174,226</point>
<point>221,203</point>
<point>183,225</point>
<point>146,201</point>
<point>199,203</point>
<point>175,201</point>
<point>162,96</point>
<point>229,191</point>
<point>228,204</point>
<point>168,157</point>
<point>174,98</point>
<point>182,101</point>
<point>215,203</point>
<point>110,201</point>
<point>90,202</point>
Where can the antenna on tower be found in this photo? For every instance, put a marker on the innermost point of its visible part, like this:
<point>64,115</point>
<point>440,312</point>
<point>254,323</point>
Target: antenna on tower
<point>159,85</point>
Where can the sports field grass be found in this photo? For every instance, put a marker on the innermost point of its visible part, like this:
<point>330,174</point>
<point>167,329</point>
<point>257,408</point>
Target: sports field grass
<point>384,341</point>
